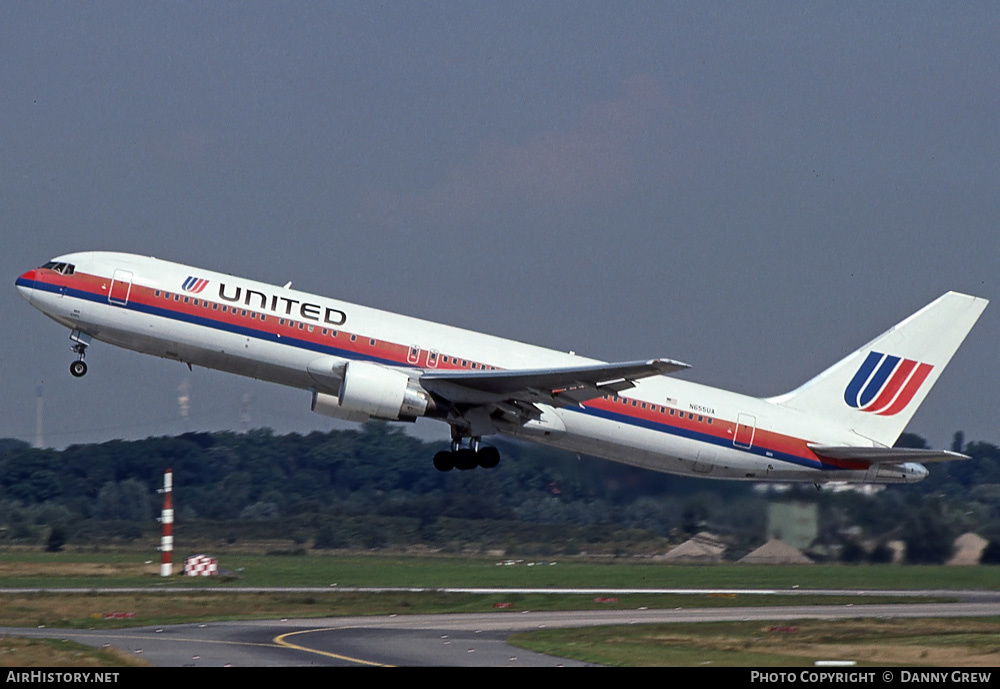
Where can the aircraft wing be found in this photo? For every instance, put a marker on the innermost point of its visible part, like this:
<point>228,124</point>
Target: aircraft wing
<point>886,455</point>
<point>558,387</point>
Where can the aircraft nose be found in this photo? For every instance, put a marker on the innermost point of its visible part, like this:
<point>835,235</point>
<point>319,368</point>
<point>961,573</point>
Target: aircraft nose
<point>25,285</point>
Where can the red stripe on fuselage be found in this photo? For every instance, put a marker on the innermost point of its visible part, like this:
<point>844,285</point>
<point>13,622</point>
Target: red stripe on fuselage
<point>181,303</point>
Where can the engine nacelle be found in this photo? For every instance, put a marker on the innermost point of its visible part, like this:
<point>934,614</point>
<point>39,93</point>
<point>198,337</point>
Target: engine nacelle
<point>329,405</point>
<point>382,392</point>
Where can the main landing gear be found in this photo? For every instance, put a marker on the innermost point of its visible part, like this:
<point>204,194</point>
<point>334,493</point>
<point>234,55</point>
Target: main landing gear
<point>80,341</point>
<point>463,459</point>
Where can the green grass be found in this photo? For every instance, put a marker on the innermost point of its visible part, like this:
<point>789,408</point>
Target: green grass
<point>47,653</point>
<point>914,642</point>
<point>962,642</point>
<point>126,569</point>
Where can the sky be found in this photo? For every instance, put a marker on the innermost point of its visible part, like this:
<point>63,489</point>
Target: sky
<point>755,189</point>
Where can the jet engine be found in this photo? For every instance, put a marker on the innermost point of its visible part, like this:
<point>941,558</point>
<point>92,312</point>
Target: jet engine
<point>370,390</point>
<point>329,405</point>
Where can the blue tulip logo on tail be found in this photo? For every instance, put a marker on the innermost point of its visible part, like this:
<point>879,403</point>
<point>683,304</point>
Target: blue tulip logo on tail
<point>194,285</point>
<point>885,384</point>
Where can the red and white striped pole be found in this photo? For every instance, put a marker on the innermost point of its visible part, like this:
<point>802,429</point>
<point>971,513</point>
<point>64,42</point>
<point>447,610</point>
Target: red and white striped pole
<point>167,518</point>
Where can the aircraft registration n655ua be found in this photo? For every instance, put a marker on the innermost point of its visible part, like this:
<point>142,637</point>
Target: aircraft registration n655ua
<point>360,363</point>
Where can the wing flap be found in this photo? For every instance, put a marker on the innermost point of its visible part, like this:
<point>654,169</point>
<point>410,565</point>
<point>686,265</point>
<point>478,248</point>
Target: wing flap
<point>556,386</point>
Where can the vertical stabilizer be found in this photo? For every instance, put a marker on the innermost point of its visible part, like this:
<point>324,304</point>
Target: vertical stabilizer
<point>876,390</point>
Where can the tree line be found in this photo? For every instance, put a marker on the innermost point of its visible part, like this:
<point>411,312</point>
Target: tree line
<point>375,487</point>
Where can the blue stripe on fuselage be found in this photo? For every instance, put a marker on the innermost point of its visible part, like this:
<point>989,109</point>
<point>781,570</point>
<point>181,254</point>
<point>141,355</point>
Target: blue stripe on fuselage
<point>349,354</point>
<point>209,322</point>
<point>699,436</point>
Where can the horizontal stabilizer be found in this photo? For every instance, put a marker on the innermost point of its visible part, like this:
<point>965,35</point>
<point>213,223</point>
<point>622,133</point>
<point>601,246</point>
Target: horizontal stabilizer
<point>886,455</point>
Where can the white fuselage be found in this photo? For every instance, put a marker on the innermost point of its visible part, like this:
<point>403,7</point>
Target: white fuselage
<point>301,340</point>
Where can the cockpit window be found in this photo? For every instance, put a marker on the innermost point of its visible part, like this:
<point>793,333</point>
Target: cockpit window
<point>64,268</point>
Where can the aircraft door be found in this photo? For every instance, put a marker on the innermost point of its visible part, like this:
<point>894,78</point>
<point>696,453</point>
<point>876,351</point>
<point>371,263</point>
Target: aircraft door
<point>746,425</point>
<point>121,287</point>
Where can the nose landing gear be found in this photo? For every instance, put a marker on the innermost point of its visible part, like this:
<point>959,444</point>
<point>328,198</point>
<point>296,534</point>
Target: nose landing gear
<point>80,342</point>
<point>78,368</point>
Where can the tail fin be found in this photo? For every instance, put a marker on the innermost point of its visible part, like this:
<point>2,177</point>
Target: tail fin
<point>876,390</point>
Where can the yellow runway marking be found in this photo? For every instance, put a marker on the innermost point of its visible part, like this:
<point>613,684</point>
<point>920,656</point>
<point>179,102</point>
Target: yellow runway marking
<point>281,640</point>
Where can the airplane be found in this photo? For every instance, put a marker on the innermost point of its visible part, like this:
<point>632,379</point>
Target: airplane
<point>360,363</point>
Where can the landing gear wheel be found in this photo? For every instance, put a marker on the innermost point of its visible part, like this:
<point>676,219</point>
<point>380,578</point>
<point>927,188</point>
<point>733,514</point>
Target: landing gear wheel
<point>489,457</point>
<point>465,460</point>
<point>78,369</point>
<point>444,461</point>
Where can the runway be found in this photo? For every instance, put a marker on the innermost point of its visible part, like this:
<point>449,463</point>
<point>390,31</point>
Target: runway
<point>477,639</point>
